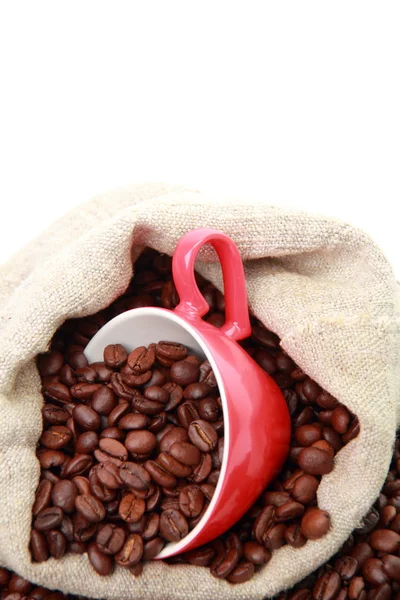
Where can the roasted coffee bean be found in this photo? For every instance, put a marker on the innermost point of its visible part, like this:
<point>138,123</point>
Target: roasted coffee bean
<point>19,585</point>
<point>42,497</point>
<point>197,391</point>
<point>84,530</point>
<point>224,564</point>
<point>315,461</point>
<point>294,537</point>
<point>102,371</point>
<point>185,453</point>
<point>50,363</point>
<point>175,395</point>
<point>326,446</point>
<point>152,548</point>
<point>67,529</point>
<point>275,498</point>
<point>102,564</point>
<point>384,540</point>
<point>86,418</point>
<point>135,476</point>
<point>288,511</point>
<point>263,523</point>
<point>108,475</point>
<point>157,394</point>
<point>157,378</point>
<point>266,361</point>
<point>347,567</point>
<point>340,419</point>
<point>87,442</point>
<point>103,400</point>
<point>57,391</point>
<point>148,407</point>
<point>141,359</point>
<point>121,388</point>
<point>315,523</point>
<point>203,435</point>
<point>85,375</point>
<point>110,539</point>
<point>78,465</point>
<point>174,435</point>
<point>51,458</point>
<point>308,434</point>
<point>84,391</point>
<point>131,508</point>
<point>203,469</point>
<point>369,522</point>
<point>115,356</point>
<point>54,415</point>
<point>391,566</point>
<point>113,449</point>
<point>56,543</point>
<point>171,351</point>
<point>140,442</point>
<point>352,431</point>
<point>152,527</point>
<point>173,525</point>
<point>331,436</point>
<point>39,547</point>
<point>209,409</point>
<point>327,586</point>
<point>48,518</point>
<point>362,552</point>
<point>117,413</point>
<point>187,413</point>
<point>256,553</point>
<point>131,552</point>
<point>90,508</point>
<point>201,557</point>
<point>242,572</point>
<point>173,466</point>
<point>184,372</point>
<point>373,571</point>
<point>64,494</point>
<point>305,488</point>
<point>191,501</point>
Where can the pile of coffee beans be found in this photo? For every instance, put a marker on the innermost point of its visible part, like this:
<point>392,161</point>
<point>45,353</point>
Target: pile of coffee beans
<point>90,415</point>
<point>14,587</point>
<point>130,453</point>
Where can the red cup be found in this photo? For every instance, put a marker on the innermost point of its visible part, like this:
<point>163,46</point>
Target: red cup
<point>256,418</point>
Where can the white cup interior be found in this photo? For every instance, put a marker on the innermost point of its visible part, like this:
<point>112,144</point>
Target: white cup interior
<point>144,326</point>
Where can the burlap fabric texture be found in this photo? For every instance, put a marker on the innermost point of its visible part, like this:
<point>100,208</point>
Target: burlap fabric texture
<point>324,287</point>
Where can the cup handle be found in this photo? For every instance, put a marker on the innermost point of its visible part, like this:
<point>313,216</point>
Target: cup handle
<point>192,303</point>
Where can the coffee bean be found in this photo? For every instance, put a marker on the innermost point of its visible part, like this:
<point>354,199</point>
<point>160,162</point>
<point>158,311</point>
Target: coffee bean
<point>203,469</point>
<point>141,359</point>
<point>306,435</point>
<point>391,566</point>
<point>340,419</point>
<point>103,400</point>
<point>347,567</point>
<point>102,564</point>
<point>85,375</point>
<point>175,395</point>
<point>331,436</point>
<point>352,431</point>
<point>242,572</point>
<point>275,537</point>
<point>315,523</point>
<point>78,465</point>
<point>84,391</point>
<point>56,543</point>
<point>19,585</point>
<point>64,494</point>
<point>86,418</point>
<point>48,518</point>
<point>57,391</point>
<point>266,361</point>
<point>131,552</point>
<point>54,415</point>
<point>115,356</point>
<point>304,488</point>
<point>362,552</point>
<point>110,539</point>
<point>113,449</point>
<point>369,522</point>
<point>294,537</point>
<point>135,476</point>
<point>184,372</point>
<point>384,540</point>
<point>374,572</point>
<point>224,564</point>
<point>50,364</point>
<point>185,453</point>
<point>191,501</point>
<point>197,391</point>
<point>288,511</point>
<point>263,523</point>
<point>173,525</point>
<point>90,508</point>
<point>152,548</point>
<point>203,435</point>
<point>148,407</point>
<point>131,508</point>
<point>173,466</point>
<point>315,461</point>
<point>201,557</point>
<point>42,497</point>
<point>87,442</point>
<point>39,548</point>
<point>256,553</point>
<point>140,442</point>
<point>327,586</point>
<point>172,351</point>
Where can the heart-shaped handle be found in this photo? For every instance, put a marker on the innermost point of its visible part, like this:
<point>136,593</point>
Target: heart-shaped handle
<point>192,304</point>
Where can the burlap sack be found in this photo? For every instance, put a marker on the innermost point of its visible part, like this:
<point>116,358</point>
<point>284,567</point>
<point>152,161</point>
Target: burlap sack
<point>321,285</point>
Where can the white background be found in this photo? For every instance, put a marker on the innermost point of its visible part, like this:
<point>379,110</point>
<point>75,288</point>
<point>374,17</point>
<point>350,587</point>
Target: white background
<point>297,103</point>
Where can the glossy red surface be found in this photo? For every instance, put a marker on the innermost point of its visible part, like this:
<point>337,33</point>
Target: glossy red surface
<point>257,430</point>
